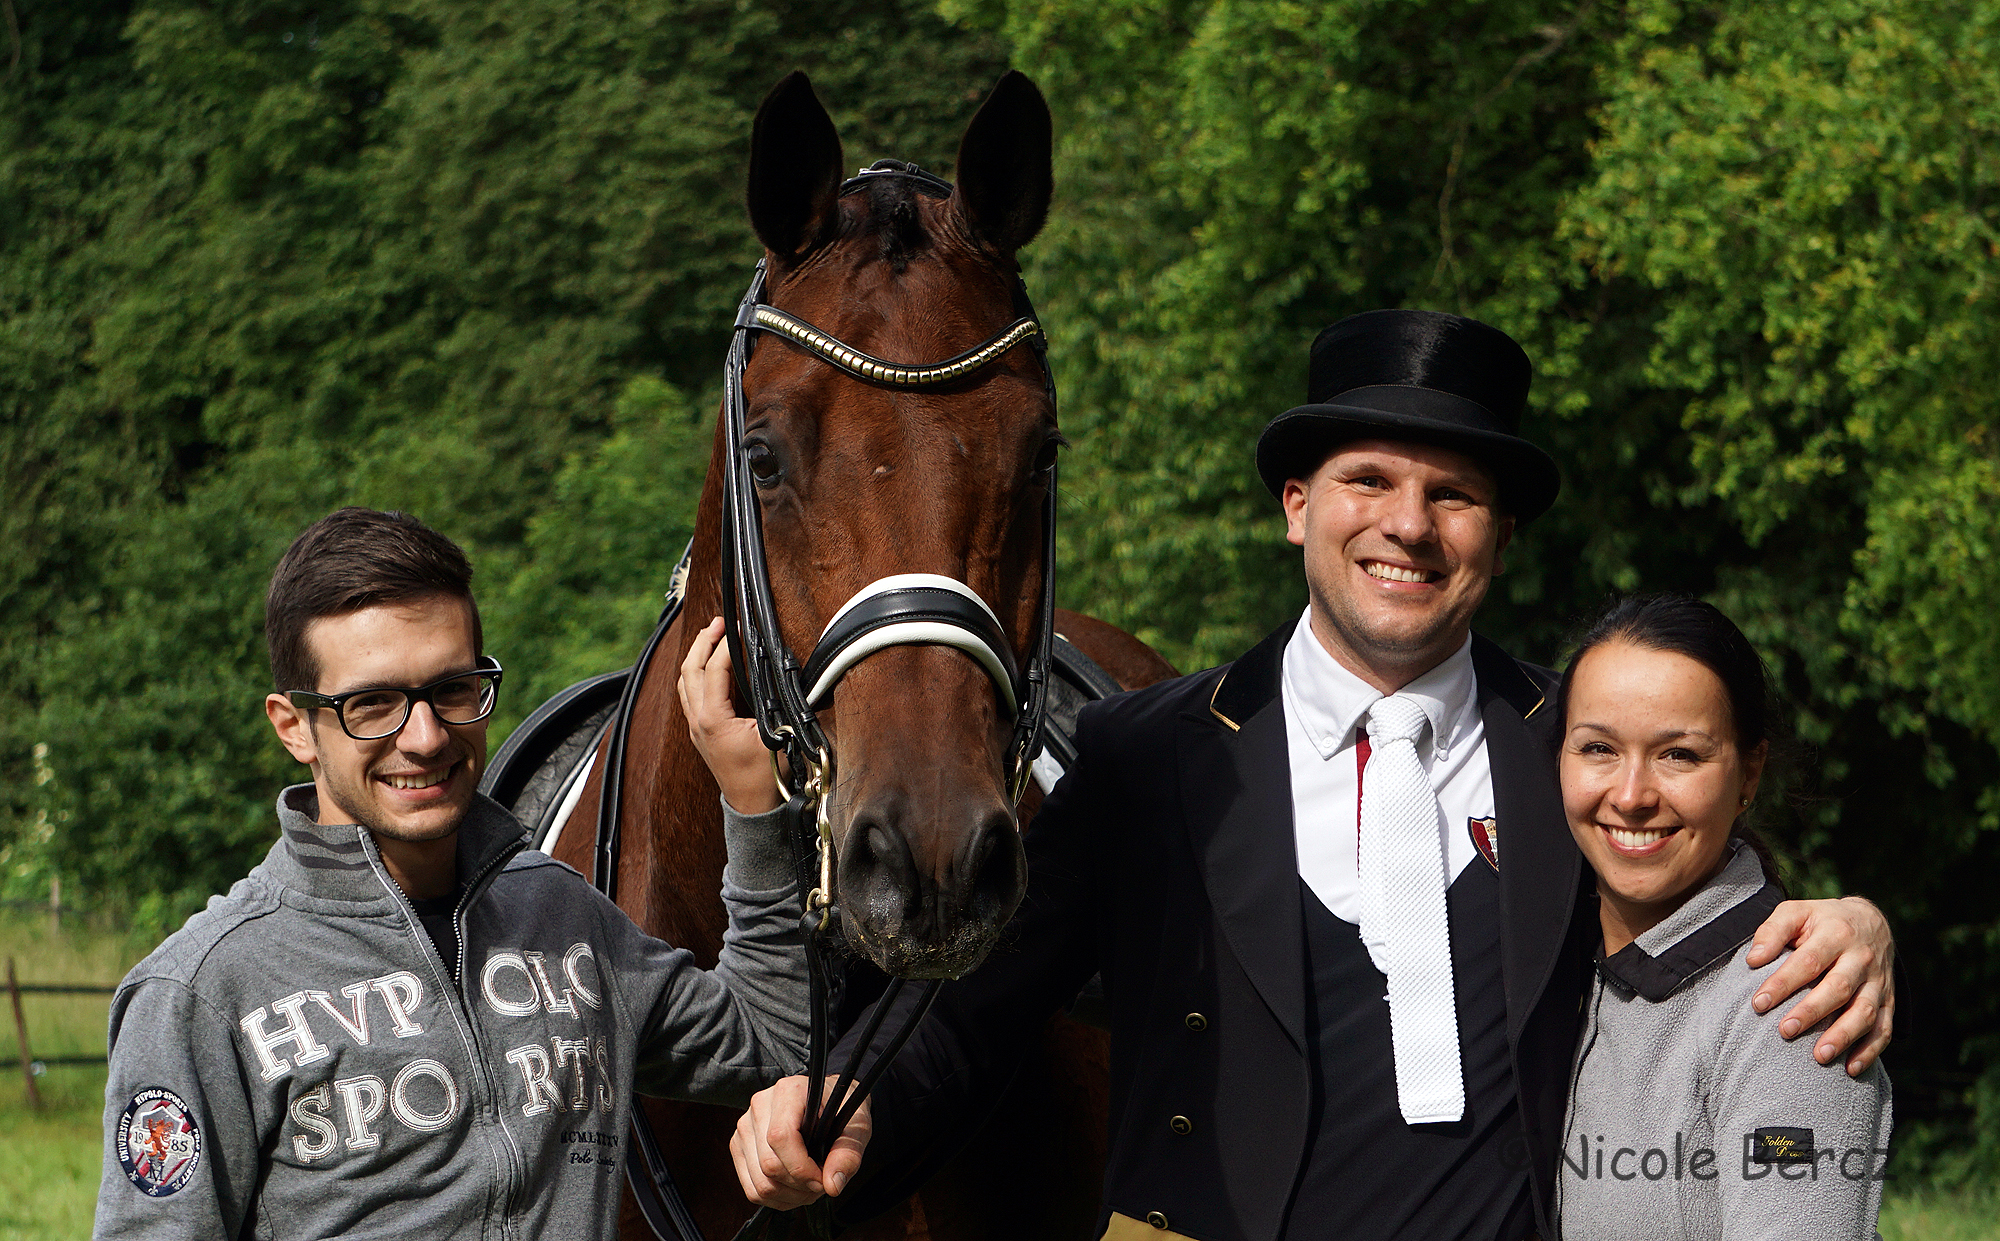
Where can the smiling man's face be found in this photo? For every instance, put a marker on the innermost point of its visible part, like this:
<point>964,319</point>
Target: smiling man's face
<point>1401,541</point>
<point>415,785</point>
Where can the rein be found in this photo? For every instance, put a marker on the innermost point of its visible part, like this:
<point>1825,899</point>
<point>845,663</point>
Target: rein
<point>785,696</point>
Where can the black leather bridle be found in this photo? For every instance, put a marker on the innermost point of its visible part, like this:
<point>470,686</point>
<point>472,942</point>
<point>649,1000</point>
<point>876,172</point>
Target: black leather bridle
<point>785,695</point>
<point>899,610</point>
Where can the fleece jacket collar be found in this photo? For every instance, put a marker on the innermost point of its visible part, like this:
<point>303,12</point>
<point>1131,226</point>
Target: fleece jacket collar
<point>1710,926</point>
<point>339,862</point>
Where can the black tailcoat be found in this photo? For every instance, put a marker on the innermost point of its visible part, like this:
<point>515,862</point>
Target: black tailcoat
<point>1165,861</point>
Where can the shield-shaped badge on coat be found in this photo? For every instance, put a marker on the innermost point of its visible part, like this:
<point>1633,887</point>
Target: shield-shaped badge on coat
<point>1486,838</point>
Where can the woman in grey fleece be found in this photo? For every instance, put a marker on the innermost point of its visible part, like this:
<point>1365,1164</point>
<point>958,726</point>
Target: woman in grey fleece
<point>1687,1119</point>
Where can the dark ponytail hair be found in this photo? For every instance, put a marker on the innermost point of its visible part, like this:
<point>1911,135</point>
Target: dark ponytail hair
<point>1687,626</point>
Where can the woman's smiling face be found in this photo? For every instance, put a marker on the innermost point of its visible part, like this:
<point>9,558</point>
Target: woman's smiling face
<point>1652,779</point>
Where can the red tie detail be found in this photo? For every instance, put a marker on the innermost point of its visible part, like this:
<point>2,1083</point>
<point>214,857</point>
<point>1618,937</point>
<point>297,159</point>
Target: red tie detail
<point>1361,751</point>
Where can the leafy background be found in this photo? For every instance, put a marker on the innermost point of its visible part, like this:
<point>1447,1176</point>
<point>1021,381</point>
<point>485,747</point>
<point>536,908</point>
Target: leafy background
<point>258,259</point>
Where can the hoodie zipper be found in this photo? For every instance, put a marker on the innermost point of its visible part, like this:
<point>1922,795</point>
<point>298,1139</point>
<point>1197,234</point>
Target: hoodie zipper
<point>460,1009</point>
<point>479,884</point>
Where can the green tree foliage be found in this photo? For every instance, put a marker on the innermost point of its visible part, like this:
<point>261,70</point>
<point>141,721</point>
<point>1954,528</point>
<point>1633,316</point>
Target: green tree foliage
<point>1807,192</point>
<point>259,258</point>
<point>1749,247</point>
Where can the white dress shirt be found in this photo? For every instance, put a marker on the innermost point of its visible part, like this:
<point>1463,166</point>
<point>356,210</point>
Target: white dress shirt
<point>1326,706</point>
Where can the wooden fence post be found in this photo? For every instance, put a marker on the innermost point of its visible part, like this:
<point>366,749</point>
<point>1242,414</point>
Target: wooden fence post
<point>21,1030</point>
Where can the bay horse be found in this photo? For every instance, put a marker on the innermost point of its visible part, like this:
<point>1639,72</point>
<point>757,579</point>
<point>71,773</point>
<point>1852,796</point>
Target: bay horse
<point>855,482</point>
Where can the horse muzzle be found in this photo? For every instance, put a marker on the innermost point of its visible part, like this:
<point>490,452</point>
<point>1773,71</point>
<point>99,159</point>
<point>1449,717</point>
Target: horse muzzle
<point>936,921</point>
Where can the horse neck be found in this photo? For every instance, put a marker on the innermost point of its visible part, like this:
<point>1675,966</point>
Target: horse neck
<point>672,854</point>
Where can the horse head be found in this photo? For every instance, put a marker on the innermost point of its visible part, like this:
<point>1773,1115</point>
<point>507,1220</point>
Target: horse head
<point>855,482</point>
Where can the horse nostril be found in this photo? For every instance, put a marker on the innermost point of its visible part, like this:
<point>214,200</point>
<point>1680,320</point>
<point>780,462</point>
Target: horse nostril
<point>878,874</point>
<point>998,871</point>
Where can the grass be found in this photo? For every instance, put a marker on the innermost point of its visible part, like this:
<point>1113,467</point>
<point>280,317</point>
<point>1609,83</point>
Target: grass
<point>50,1160</point>
<point>1930,1215</point>
<point>48,1184</point>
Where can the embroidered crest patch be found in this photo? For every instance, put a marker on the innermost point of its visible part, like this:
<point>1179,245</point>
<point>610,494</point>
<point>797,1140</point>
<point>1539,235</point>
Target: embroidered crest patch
<point>1486,839</point>
<point>158,1143</point>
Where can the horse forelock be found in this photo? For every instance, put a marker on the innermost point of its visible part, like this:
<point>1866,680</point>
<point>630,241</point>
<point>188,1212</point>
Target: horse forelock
<point>890,220</point>
<point>897,220</point>
<point>900,275</point>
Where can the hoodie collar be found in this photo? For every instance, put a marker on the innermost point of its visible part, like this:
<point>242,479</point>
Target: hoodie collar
<point>1710,925</point>
<point>340,862</point>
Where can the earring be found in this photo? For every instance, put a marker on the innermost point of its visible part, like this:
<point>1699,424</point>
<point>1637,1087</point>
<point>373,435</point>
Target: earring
<point>1742,803</point>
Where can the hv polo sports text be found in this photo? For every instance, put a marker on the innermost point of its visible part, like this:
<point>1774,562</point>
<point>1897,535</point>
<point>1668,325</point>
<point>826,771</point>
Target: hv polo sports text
<point>563,1074</point>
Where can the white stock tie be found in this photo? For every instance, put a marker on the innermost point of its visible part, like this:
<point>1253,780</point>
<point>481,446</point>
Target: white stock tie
<point>1404,923</point>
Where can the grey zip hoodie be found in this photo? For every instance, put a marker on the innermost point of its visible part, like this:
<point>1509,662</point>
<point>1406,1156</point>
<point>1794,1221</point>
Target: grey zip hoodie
<point>297,1062</point>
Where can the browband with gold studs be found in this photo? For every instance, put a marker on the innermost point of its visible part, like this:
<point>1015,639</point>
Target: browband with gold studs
<point>875,370</point>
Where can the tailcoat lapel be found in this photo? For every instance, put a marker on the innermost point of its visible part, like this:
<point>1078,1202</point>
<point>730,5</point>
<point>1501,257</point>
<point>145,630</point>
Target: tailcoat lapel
<point>1236,787</point>
<point>1538,863</point>
<point>1237,791</point>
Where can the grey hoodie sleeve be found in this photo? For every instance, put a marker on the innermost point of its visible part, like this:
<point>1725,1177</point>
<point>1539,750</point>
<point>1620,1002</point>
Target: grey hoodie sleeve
<point>1765,1083</point>
<point>181,1139</point>
<point>719,1036</point>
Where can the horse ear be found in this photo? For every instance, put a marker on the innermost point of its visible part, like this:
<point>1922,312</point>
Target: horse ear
<point>795,164</point>
<point>1004,175</point>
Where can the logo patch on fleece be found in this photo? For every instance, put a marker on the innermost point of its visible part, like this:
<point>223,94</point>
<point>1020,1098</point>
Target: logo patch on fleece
<point>1781,1145</point>
<point>1486,838</point>
<point>158,1143</point>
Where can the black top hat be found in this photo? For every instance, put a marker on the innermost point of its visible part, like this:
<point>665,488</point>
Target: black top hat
<point>1415,375</point>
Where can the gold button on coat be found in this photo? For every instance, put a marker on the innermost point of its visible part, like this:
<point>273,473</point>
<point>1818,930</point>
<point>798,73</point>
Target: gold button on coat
<point>1195,1021</point>
<point>1181,1125</point>
<point>1157,1220</point>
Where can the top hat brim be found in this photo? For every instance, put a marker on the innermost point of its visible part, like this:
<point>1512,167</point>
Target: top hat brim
<point>1297,442</point>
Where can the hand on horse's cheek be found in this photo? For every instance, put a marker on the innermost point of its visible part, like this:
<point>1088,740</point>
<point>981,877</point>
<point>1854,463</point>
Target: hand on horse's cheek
<point>729,743</point>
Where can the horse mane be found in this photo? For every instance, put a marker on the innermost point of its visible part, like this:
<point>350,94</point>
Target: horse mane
<point>893,218</point>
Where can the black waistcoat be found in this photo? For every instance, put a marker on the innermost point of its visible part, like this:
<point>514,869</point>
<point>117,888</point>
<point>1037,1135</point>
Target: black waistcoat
<point>1366,1173</point>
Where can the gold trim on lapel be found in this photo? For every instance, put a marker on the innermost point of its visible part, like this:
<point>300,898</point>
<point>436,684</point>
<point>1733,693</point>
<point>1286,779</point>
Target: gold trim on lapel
<point>1233,725</point>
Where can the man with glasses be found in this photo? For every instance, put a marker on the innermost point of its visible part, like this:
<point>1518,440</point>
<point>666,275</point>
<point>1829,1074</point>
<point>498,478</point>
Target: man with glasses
<point>405,1022</point>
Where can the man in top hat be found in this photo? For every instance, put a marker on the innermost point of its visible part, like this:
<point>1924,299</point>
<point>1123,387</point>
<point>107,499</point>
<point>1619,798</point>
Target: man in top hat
<point>1340,921</point>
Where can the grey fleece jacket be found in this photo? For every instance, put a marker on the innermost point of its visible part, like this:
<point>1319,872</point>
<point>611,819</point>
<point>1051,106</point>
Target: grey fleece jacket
<point>1689,1116</point>
<point>297,1062</point>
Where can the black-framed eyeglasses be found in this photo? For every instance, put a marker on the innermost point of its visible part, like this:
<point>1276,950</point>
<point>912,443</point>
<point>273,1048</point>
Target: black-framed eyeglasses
<point>381,711</point>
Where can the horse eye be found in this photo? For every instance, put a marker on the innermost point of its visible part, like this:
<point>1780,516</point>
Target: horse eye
<point>1045,460</point>
<point>763,462</point>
